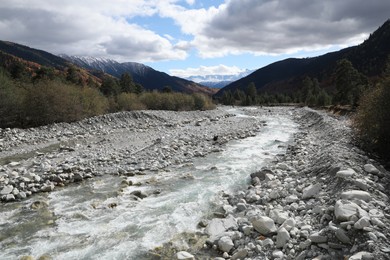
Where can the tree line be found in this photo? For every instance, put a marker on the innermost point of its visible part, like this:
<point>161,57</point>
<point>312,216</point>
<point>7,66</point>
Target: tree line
<point>349,85</point>
<point>33,97</point>
<point>369,98</point>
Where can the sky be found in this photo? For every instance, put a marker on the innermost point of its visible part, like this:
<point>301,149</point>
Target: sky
<point>192,37</point>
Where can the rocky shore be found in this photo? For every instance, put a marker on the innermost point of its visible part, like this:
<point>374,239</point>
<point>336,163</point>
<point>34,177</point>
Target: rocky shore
<point>129,143</point>
<point>324,199</point>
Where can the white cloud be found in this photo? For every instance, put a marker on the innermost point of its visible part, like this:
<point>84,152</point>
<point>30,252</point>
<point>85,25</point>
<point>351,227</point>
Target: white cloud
<point>104,28</point>
<point>285,26</point>
<point>272,27</point>
<point>206,70</point>
<point>88,27</point>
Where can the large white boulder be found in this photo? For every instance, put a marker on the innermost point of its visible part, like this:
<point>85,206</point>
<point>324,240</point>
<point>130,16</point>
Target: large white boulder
<point>264,225</point>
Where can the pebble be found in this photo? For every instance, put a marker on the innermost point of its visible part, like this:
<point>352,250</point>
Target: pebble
<point>356,195</point>
<point>264,225</point>
<point>348,173</point>
<point>183,255</point>
<point>311,191</point>
<point>225,244</point>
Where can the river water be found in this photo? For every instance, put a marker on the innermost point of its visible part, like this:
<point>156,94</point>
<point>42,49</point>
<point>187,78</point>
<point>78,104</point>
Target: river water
<point>98,219</point>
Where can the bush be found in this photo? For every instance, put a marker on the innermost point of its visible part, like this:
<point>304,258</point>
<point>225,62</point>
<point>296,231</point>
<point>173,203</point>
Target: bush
<point>203,102</point>
<point>128,102</point>
<point>51,102</point>
<point>11,102</point>
<point>372,120</point>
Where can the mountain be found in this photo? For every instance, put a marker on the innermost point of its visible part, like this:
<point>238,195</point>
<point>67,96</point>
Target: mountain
<point>219,81</point>
<point>286,76</point>
<point>24,62</point>
<point>146,76</point>
<point>33,55</point>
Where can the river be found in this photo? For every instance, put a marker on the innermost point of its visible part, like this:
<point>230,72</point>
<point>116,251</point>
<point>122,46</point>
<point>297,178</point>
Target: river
<point>98,219</point>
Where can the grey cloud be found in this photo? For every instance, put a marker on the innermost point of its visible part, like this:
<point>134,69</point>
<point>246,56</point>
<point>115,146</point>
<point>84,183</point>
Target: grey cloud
<point>40,27</point>
<point>83,33</point>
<point>279,26</point>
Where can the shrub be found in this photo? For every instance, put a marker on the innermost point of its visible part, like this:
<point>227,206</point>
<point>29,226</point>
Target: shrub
<point>129,101</point>
<point>203,102</point>
<point>50,102</point>
<point>372,120</point>
<point>11,102</point>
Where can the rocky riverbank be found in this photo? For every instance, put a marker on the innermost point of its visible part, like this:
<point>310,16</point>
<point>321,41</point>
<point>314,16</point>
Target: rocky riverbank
<point>324,199</point>
<point>130,143</point>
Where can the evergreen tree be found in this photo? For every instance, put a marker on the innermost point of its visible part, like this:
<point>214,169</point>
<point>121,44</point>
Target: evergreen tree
<point>349,83</point>
<point>110,87</point>
<point>126,83</point>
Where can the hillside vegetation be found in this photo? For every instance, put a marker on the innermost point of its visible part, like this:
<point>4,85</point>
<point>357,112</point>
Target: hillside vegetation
<point>38,95</point>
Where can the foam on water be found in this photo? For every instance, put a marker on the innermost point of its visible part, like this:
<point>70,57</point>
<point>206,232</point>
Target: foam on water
<point>86,228</point>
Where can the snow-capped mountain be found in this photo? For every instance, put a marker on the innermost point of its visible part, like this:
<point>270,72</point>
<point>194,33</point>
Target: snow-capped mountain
<point>108,66</point>
<point>219,81</point>
<point>146,76</point>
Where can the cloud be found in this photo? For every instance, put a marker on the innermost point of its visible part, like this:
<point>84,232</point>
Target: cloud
<point>104,28</point>
<point>285,26</point>
<point>96,28</point>
<point>206,70</point>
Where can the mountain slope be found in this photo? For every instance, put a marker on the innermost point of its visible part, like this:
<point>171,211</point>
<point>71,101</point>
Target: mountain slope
<point>286,76</point>
<point>33,55</point>
<point>146,76</point>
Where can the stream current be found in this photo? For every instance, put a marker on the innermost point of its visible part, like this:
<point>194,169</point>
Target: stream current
<point>98,219</point>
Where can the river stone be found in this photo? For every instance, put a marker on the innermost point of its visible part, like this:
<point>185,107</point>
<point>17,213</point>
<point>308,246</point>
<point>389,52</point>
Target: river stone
<point>282,237</point>
<point>289,224</point>
<point>345,173</point>
<point>264,225</point>
<point>361,184</point>
<point>371,169</point>
<point>47,187</point>
<point>317,238</point>
<point>356,194</point>
<point>345,209</point>
<point>140,194</point>
<point>6,190</point>
<point>277,254</point>
<point>361,255</point>
<point>183,255</point>
<point>362,223</point>
<point>39,205</point>
<point>342,236</point>
<point>9,197</point>
<point>311,191</point>
<point>217,227</point>
<point>278,216</point>
<point>240,254</point>
<point>225,244</point>
<point>261,174</point>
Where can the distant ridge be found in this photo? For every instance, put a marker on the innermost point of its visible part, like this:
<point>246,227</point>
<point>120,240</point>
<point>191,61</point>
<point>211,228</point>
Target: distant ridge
<point>286,76</point>
<point>146,76</point>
